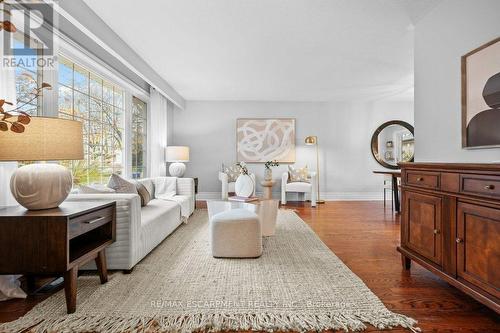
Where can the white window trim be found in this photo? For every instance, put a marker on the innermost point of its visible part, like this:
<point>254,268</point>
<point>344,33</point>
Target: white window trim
<point>75,53</point>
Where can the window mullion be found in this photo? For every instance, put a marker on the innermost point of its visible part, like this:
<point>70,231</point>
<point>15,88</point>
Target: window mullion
<point>49,101</point>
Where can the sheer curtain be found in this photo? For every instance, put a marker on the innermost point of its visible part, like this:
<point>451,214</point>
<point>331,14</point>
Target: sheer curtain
<point>7,92</point>
<point>9,285</point>
<point>157,133</point>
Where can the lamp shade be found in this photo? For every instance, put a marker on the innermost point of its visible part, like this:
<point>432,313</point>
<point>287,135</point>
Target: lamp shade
<point>177,154</point>
<point>44,139</point>
<point>311,140</point>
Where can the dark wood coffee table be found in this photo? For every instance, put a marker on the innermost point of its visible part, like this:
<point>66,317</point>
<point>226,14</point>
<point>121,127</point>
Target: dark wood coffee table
<point>55,242</point>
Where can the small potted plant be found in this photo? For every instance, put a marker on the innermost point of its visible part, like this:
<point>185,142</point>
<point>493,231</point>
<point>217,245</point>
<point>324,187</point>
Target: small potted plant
<point>268,172</point>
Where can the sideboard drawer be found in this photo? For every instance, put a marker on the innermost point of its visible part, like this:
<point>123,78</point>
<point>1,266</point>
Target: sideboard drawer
<point>423,179</point>
<point>488,186</point>
<point>84,223</point>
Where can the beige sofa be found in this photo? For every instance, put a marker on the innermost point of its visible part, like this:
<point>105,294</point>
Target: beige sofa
<point>140,229</point>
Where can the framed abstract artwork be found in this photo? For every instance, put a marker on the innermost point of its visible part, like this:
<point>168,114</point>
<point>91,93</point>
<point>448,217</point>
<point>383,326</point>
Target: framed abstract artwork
<point>481,96</point>
<point>259,140</point>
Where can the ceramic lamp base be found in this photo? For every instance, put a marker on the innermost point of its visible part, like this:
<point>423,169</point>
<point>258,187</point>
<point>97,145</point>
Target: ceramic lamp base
<point>41,186</point>
<point>177,169</point>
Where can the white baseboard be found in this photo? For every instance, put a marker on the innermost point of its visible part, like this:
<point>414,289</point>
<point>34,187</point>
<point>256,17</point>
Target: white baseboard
<point>352,196</point>
<point>327,196</point>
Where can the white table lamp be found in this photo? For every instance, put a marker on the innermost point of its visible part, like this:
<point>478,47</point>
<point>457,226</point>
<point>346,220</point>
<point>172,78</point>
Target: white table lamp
<point>42,185</point>
<point>177,155</point>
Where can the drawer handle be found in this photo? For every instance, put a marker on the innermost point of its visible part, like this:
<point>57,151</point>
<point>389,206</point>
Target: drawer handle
<point>419,179</point>
<point>489,187</point>
<point>459,240</point>
<point>436,231</point>
<point>95,220</point>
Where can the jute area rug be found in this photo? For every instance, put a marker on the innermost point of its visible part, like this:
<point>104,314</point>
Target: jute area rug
<point>297,285</point>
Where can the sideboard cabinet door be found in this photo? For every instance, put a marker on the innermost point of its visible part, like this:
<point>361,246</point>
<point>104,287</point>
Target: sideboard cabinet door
<point>422,230</point>
<point>478,246</point>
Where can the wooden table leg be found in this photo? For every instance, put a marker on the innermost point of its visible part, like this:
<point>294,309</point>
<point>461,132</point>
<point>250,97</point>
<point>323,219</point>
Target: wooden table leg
<point>70,288</point>
<point>395,190</point>
<point>100,262</point>
<point>406,262</point>
<point>30,284</point>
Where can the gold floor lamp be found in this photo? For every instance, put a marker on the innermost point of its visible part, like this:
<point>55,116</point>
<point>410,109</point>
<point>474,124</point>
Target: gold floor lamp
<point>312,140</point>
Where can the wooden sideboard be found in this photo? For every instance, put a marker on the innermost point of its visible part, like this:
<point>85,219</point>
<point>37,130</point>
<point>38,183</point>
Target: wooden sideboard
<point>451,225</point>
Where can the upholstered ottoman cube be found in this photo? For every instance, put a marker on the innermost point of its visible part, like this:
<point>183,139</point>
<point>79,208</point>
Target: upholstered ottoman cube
<point>236,233</point>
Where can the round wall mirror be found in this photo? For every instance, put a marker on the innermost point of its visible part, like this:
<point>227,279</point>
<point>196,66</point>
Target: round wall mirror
<point>393,142</point>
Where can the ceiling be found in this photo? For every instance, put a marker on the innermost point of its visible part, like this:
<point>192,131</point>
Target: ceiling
<point>274,50</point>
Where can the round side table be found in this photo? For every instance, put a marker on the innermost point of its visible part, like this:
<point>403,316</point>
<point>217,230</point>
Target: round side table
<point>267,186</point>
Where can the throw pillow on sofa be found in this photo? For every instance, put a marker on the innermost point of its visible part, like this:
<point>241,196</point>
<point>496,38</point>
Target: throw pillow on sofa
<point>143,193</point>
<point>95,189</point>
<point>121,185</point>
<point>149,184</point>
<point>298,175</point>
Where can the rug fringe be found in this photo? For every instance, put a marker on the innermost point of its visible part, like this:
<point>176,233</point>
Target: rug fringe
<point>213,322</point>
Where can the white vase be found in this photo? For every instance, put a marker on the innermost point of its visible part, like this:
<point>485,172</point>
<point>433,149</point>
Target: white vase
<point>268,174</point>
<point>244,186</point>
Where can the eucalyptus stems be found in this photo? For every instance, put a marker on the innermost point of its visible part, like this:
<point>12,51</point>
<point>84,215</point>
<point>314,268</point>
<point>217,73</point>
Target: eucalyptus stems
<point>270,164</point>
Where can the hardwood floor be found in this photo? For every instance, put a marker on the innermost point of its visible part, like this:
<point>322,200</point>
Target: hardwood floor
<point>364,236</point>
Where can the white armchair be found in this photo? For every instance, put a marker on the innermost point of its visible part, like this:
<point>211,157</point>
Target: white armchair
<point>299,187</point>
<point>228,186</point>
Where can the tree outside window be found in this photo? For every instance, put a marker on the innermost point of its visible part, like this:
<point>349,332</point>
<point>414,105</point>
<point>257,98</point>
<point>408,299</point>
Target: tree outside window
<point>99,105</point>
<point>139,137</point>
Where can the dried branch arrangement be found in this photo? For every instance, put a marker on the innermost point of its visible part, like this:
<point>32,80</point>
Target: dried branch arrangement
<point>16,119</point>
<point>6,24</point>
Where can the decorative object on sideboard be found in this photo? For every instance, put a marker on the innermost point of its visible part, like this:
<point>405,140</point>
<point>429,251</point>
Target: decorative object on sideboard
<point>244,186</point>
<point>481,96</point>
<point>268,172</point>
<point>177,155</point>
<point>312,140</point>
<point>261,139</point>
<point>42,185</point>
<point>401,148</point>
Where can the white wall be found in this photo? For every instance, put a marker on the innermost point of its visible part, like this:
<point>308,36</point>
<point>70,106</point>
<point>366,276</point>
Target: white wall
<point>452,29</point>
<point>344,131</point>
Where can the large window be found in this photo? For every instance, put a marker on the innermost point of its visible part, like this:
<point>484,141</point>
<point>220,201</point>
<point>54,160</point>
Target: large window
<point>100,105</point>
<point>106,109</point>
<point>28,77</point>
<point>139,137</point>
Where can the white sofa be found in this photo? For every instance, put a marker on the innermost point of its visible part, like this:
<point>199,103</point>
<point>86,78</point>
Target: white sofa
<point>299,187</point>
<point>228,186</point>
<point>140,229</point>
